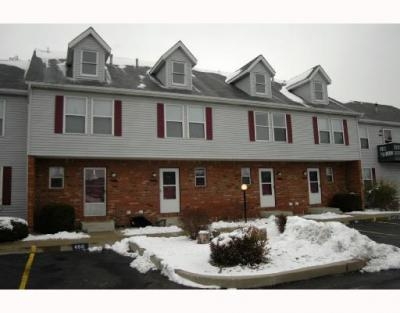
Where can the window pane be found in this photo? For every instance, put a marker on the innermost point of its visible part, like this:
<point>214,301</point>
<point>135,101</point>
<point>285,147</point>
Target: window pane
<point>364,143</point>
<point>323,124</point>
<point>317,86</point>
<point>338,138</point>
<point>94,186</point>
<point>313,176</point>
<point>102,108</point>
<point>1,127</point>
<point>178,67</point>
<point>280,134</point>
<point>245,171</point>
<point>337,125</point>
<point>199,172</point>
<point>262,119</point>
<point>169,192</point>
<point>196,114</point>
<point>200,181</point>
<point>75,124</point>
<point>178,78</point>
<point>76,106</point>
<point>56,172</point>
<point>174,129</point>
<point>266,189</point>
<point>319,95</point>
<point>246,180</point>
<point>279,119</point>
<point>102,125</point>
<point>260,88</point>
<point>367,174</point>
<point>169,178</point>
<point>387,135</point>
<point>265,177</point>
<point>56,182</point>
<point>174,113</point>
<point>262,133</point>
<point>89,56</point>
<point>196,130</point>
<point>314,187</point>
<point>324,137</point>
<point>260,79</point>
<point>88,68</point>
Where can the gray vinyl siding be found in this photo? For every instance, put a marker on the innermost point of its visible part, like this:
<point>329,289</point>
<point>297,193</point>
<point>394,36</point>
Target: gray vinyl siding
<point>139,135</point>
<point>306,92</point>
<point>369,157</point>
<point>248,83</point>
<point>13,153</point>
<point>90,44</point>
<point>161,75</point>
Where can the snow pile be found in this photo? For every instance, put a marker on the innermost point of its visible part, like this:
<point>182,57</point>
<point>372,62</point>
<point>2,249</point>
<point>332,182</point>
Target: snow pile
<point>261,222</point>
<point>141,86</point>
<point>96,249</point>
<point>326,216</point>
<point>122,247</point>
<point>57,236</point>
<point>5,222</point>
<point>149,230</point>
<point>143,263</point>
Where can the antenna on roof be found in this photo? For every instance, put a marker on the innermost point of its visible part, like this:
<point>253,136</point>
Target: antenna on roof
<point>137,62</point>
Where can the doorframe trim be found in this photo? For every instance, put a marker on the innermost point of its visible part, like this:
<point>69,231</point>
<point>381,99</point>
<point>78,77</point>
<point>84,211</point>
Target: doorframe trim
<point>84,187</point>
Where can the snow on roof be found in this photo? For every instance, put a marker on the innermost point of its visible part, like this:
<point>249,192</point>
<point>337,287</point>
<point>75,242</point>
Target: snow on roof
<point>291,96</point>
<point>124,61</point>
<point>300,77</point>
<point>22,64</point>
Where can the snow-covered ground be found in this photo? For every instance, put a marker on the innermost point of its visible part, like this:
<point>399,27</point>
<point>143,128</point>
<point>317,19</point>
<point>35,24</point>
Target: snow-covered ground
<point>326,216</point>
<point>5,222</point>
<point>149,230</point>
<point>373,212</point>
<point>59,235</point>
<point>304,243</point>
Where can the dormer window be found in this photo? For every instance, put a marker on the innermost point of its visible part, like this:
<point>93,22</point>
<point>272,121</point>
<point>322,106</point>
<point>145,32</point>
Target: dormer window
<point>89,63</point>
<point>178,73</point>
<point>318,91</point>
<point>260,83</point>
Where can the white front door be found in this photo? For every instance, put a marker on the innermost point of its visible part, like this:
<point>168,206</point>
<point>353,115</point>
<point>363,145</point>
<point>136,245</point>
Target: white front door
<point>314,186</point>
<point>94,193</point>
<point>169,190</point>
<point>267,190</point>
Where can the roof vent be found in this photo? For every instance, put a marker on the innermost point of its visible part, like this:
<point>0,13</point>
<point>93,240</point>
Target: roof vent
<point>137,62</point>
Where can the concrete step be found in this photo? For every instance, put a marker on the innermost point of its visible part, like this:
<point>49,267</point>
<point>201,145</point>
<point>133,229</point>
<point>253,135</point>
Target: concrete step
<point>320,210</point>
<point>95,227</point>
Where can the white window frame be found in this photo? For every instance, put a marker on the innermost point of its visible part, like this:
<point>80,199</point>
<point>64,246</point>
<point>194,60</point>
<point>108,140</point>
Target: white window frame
<point>181,121</point>
<point>93,116</point>
<point>314,90</point>
<point>200,176</point>
<point>329,130</point>
<point>65,115</point>
<point>370,173</point>
<point>383,135</point>
<point>333,131</point>
<point>188,107</point>
<point>3,118</point>
<point>243,176</point>
<point>273,126</point>
<point>97,63</point>
<point>63,177</point>
<point>265,83</point>
<point>329,173</point>
<point>270,136</point>
<point>184,73</point>
<point>367,133</point>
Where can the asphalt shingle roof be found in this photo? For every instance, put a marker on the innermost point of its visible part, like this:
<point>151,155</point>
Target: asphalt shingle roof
<point>372,111</point>
<point>12,77</point>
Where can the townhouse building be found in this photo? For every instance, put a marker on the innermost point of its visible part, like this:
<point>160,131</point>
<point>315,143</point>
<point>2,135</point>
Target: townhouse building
<point>116,140</point>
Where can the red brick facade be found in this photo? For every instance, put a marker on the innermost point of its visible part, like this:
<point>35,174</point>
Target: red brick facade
<point>134,188</point>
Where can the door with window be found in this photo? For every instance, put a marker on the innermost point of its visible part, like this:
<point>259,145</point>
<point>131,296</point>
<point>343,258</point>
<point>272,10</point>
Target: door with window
<point>314,186</point>
<point>169,190</point>
<point>95,191</point>
<point>267,189</point>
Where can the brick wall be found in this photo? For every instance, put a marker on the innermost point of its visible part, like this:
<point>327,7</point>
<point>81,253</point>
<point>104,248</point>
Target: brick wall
<point>135,189</point>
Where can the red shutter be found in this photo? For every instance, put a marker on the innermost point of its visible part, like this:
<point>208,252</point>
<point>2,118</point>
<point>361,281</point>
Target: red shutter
<point>209,125</point>
<point>59,114</point>
<point>117,118</point>
<point>160,120</point>
<point>315,129</point>
<point>373,175</point>
<point>346,132</point>
<point>252,134</point>
<point>289,128</point>
<point>6,185</point>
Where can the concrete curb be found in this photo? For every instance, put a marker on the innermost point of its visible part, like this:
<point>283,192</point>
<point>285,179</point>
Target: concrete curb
<point>166,235</point>
<point>257,281</point>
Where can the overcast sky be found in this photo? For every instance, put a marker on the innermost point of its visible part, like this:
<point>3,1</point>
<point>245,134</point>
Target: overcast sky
<point>363,61</point>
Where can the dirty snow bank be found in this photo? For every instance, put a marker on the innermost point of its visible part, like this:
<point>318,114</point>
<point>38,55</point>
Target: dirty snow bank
<point>60,235</point>
<point>326,216</point>
<point>5,222</point>
<point>148,230</point>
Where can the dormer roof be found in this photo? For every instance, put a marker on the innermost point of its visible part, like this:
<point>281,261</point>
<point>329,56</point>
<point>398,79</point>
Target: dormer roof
<point>307,76</point>
<point>245,69</point>
<point>88,32</point>
<point>178,45</point>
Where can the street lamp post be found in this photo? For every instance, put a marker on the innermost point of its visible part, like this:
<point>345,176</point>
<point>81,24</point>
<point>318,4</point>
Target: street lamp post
<point>244,188</point>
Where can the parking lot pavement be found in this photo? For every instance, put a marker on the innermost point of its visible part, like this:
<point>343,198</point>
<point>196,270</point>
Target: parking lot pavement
<point>79,270</point>
<point>381,231</point>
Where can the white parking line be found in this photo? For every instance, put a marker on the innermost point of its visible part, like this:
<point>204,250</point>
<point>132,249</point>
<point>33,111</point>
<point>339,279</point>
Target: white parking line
<point>397,224</point>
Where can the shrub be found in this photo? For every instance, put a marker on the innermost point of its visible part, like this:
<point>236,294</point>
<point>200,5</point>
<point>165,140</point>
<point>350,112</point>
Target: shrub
<point>280,221</point>
<point>347,202</point>
<point>56,217</point>
<point>12,229</point>
<point>241,247</point>
<point>383,196</point>
<point>194,220</point>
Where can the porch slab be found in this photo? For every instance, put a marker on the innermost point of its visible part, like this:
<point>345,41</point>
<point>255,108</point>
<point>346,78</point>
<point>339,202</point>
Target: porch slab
<point>96,227</point>
<point>320,210</point>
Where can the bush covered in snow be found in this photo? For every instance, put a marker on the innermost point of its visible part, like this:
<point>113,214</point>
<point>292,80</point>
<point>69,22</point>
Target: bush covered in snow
<point>13,228</point>
<point>280,221</point>
<point>194,220</point>
<point>245,246</point>
<point>383,196</point>
<point>56,217</point>
<point>347,202</point>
